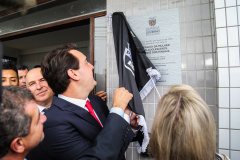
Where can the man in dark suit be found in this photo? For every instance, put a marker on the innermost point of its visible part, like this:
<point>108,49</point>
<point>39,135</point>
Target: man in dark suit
<point>72,125</point>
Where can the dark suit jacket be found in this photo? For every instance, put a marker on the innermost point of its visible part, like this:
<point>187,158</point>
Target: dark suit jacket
<point>115,129</point>
<point>70,131</point>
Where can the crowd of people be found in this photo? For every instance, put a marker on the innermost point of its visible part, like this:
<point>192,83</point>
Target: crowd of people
<point>78,125</point>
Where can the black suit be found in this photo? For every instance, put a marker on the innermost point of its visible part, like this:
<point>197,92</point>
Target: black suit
<point>71,130</point>
<point>115,130</point>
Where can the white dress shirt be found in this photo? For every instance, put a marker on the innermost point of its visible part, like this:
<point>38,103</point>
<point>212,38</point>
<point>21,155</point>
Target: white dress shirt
<point>41,108</point>
<point>79,102</point>
<point>82,103</point>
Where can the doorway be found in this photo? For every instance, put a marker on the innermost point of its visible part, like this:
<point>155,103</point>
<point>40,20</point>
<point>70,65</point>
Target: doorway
<point>30,46</point>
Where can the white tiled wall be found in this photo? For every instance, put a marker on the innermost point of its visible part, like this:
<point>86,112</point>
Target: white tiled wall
<point>214,76</point>
<point>227,32</point>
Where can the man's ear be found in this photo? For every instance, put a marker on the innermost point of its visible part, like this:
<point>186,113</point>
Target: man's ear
<point>17,145</point>
<point>73,74</point>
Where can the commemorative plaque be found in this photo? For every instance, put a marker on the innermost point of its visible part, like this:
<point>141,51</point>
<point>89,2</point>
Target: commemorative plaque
<point>159,33</point>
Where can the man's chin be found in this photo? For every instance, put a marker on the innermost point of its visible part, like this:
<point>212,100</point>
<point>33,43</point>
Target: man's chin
<point>94,84</point>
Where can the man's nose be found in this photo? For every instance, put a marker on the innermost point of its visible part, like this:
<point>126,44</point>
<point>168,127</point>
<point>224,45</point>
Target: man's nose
<point>39,86</point>
<point>8,81</point>
<point>24,79</point>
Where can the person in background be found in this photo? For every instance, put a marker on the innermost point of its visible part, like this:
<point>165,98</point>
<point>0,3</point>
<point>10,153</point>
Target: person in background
<point>43,94</point>
<point>183,127</point>
<point>102,95</point>
<point>9,74</point>
<point>21,124</point>
<point>22,72</point>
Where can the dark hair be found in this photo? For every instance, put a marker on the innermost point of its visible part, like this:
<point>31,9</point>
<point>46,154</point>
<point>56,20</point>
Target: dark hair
<point>14,122</point>
<point>22,67</point>
<point>9,66</point>
<point>55,65</point>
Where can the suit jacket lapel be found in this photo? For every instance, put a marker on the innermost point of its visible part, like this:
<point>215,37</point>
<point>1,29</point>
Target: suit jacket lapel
<point>67,106</point>
<point>97,108</point>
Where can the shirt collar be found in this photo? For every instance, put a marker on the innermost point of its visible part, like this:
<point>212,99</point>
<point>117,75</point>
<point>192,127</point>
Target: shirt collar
<point>78,102</point>
<point>41,108</point>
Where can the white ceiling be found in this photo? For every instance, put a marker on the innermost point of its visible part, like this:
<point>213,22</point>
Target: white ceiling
<point>75,34</point>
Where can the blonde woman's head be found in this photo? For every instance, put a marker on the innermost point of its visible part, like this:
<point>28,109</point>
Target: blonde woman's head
<point>183,127</point>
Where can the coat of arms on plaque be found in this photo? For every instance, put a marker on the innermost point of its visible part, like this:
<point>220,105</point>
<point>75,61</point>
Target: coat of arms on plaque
<point>152,21</point>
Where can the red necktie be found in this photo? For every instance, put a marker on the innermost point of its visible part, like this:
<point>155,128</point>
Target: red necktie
<point>91,111</point>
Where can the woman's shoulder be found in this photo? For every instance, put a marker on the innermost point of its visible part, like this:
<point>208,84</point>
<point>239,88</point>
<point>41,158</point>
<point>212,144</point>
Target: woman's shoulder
<point>221,157</point>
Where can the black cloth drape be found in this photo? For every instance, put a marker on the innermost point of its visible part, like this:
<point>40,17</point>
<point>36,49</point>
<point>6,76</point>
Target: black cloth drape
<point>132,61</point>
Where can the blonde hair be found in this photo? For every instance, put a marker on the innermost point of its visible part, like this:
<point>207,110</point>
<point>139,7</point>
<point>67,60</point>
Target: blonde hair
<point>183,127</point>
